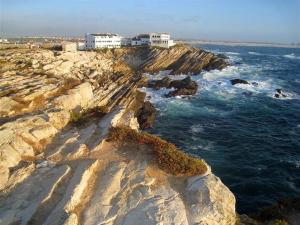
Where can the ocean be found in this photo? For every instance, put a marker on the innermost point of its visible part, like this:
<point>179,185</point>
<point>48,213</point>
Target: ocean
<point>250,138</point>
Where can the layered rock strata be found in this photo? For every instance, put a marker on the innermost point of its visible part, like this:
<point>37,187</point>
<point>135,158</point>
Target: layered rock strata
<point>53,171</point>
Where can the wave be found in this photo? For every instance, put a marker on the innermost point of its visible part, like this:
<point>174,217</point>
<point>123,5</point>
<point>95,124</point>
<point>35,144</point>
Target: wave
<point>291,56</point>
<point>232,53</point>
<point>255,53</point>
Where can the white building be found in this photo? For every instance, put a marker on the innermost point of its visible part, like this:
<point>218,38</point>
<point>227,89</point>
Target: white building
<point>94,41</point>
<point>125,41</point>
<point>136,41</point>
<point>161,40</point>
<point>2,40</point>
<point>153,39</point>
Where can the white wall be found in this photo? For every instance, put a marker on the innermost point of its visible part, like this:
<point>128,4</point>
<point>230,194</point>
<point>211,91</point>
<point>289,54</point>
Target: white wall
<point>107,41</point>
<point>161,40</point>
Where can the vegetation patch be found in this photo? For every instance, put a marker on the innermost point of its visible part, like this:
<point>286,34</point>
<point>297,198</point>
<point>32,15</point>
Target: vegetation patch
<point>278,222</point>
<point>168,157</point>
<point>279,213</point>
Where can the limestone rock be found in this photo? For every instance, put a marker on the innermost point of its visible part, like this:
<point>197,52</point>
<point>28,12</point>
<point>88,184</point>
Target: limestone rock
<point>146,115</point>
<point>59,119</point>
<point>8,106</point>
<point>9,157</point>
<point>68,102</point>
<point>209,201</point>
<point>85,91</point>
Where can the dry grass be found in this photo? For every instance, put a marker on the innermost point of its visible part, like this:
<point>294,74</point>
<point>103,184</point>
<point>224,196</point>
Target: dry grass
<point>168,157</point>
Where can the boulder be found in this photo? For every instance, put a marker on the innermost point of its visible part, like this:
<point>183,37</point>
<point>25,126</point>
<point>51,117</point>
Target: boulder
<point>146,115</point>
<point>68,102</point>
<point>77,98</point>
<point>238,81</point>
<point>157,84</point>
<point>86,93</point>
<point>185,86</point>
<point>187,83</point>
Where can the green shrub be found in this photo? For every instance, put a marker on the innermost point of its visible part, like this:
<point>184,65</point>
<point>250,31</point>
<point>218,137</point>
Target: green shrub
<point>168,157</point>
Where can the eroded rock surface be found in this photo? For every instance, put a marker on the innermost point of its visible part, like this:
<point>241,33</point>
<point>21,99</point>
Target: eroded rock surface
<point>55,171</point>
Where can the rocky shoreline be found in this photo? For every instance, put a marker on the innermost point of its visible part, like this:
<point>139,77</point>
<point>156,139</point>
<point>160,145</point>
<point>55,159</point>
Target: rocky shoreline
<point>57,165</point>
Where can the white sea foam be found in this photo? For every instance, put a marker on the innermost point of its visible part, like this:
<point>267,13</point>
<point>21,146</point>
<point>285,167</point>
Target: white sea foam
<point>216,74</point>
<point>262,54</point>
<point>292,56</point>
<point>197,128</point>
<point>255,53</point>
<point>204,147</point>
<point>232,53</point>
<point>296,163</point>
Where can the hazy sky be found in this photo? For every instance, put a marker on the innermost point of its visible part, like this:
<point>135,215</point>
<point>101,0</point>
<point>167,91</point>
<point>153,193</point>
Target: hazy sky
<point>240,20</point>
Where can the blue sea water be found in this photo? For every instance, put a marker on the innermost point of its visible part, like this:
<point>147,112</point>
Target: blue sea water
<point>250,139</point>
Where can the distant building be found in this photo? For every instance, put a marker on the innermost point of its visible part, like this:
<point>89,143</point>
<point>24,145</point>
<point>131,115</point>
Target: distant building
<point>161,40</point>
<point>125,41</point>
<point>94,41</point>
<point>69,46</point>
<point>136,41</point>
<point>2,40</point>
<point>153,39</point>
<point>108,40</point>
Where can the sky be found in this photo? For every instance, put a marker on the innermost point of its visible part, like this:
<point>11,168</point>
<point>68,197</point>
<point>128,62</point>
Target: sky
<point>229,20</point>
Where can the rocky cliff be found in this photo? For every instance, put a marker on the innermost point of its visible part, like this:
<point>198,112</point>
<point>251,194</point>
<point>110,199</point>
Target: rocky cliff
<point>57,165</point>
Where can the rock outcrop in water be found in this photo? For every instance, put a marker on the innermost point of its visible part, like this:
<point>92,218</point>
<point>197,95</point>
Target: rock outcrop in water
<point>238,81</point>
<point>56,166</point>
<point>279,94</point>
<point>185,86</point>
